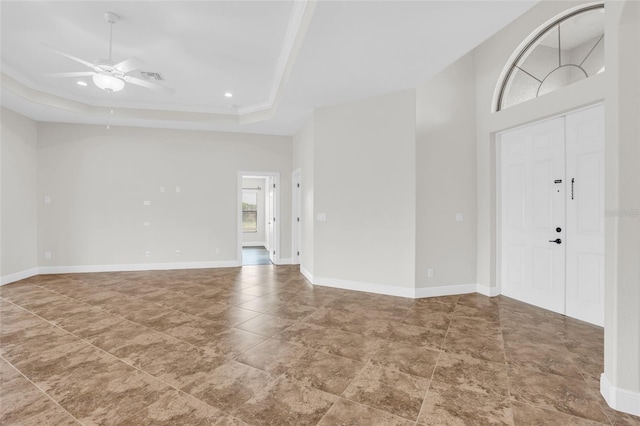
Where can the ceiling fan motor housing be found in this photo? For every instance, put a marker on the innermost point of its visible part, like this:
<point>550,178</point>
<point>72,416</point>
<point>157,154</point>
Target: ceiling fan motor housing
<point>111,17</point>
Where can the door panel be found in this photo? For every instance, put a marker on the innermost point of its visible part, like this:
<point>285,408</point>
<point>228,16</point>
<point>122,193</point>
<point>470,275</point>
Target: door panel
<point>590,269</point>
<point>532,199</point>
<point>542,198</point>
<point>542,270</point>
<point>514,182</point>
<point>585,211</point>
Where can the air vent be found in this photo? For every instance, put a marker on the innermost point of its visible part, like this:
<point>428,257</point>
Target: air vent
<point>150,75</point>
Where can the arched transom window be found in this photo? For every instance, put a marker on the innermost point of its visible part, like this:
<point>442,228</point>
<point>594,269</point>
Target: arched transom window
<point>567,50</point>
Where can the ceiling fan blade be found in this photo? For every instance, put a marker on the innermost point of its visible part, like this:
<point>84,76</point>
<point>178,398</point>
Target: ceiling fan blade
<point>129,65</point>
<point>149,85</point>
<point>72,74</point>
<point>66,55</point>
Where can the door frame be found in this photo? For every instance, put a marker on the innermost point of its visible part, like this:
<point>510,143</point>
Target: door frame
<point>496,136</point>
<point>275,177</point>
<point>296,212</point>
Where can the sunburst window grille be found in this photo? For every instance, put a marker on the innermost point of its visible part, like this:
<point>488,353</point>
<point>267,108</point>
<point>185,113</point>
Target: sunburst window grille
<point>568,50</point>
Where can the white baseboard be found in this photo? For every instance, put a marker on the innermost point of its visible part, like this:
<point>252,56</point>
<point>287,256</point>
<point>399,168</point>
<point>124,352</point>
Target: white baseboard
<point>366,287</point>
<point>136,267</point>
<point>285,261</point>
<point>17,276</point>
<point>487,291</point>
<point>255,244</point>
<point>445,290</point>
<point>620,399</point>
<point>305,272</point>
<point>389,290</point>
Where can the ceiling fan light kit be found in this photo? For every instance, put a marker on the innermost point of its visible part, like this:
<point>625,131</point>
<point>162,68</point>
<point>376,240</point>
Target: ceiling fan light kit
<point>108,82</point>
<point>107,75</point>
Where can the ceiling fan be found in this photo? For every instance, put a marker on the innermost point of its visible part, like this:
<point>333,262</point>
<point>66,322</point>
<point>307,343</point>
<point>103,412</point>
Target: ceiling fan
<point>107,75</point>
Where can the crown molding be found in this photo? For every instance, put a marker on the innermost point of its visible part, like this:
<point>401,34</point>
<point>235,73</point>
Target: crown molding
<point>299,21</point>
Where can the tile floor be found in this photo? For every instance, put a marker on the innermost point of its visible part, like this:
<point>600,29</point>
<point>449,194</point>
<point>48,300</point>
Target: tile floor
<point>260,346</point>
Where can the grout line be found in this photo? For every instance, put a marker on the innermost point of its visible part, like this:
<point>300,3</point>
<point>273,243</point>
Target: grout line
<point>598,400</point>
<point>114,357</point>
<point>386,341</point>
<point>38,387</point>
<point>124,318</point>
<point>506,363</point>
<point>444,339</point>
<point>302,320</point>
<point>234,358</point>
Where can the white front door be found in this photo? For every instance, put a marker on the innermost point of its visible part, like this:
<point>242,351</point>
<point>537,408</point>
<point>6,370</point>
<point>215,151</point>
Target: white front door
<point>552,214</point>
<point>533,214</point>
<point>585,214</point>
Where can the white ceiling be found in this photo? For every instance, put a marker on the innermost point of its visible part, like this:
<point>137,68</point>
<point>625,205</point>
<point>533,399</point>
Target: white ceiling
<point>281,59</point>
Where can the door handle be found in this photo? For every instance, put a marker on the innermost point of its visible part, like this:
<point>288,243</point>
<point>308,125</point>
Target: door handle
<point>557,241</point>
<point>573,181</point>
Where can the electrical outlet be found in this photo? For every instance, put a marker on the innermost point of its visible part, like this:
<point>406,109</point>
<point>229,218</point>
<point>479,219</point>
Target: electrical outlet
<point>178,189</point>
<point>147,253</point>
<point>178,252</point>
<point>217,251</point>
<point>47,199</point>
<point>146,202</point>
<point>162,189</point>
<point>459,217</point>
<point>47,255</point>
<point>430,273</point>
<point>146,223</point>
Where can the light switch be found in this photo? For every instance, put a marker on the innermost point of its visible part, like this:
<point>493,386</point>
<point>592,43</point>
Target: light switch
<point>162,189</point>
<point>321,217</point>
<point>178,189</point>
<point>146,223</point>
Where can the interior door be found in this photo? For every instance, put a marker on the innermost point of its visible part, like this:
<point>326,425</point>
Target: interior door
<point>585,215</point>
<point>271,211</point>
<point>533,214</point>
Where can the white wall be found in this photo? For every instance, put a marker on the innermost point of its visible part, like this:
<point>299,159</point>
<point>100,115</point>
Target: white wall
<point>364,180</point>
<point>445,177</point>
<point>18,197</point>
<point>620,383</point>
<point>257,238</point>
<point>98,180</point>
<point>303,159</point>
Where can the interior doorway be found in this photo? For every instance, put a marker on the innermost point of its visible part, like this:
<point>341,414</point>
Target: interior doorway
<point>254,255</point>
<point>258,207</point>
<point>551,214</point>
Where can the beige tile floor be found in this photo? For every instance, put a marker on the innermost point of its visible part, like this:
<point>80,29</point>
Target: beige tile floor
<point>260,346</point>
